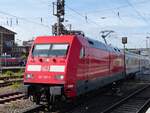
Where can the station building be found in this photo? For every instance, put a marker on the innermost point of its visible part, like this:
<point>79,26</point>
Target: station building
<point>7,41</point>
<point>8,45</point>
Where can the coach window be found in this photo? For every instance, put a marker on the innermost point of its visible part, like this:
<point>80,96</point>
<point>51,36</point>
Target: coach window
<point>81,53</point>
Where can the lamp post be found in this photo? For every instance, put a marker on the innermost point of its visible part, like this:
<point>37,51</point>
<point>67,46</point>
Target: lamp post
<point>124,42</point>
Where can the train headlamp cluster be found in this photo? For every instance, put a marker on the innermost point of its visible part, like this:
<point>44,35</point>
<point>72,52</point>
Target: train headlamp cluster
<point>29,76</point>
<point>59,77</point>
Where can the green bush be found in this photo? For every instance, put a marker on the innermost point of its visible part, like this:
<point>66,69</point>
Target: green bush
<point>19,73</point>
<point>9,73</point>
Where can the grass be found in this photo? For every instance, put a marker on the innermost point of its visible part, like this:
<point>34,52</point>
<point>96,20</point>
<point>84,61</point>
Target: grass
<point>16,85</point>
<point>10,74</point>
<point>19,73</point>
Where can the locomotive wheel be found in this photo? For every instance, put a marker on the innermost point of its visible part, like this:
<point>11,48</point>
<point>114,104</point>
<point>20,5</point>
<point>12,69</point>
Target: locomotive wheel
<point>51,102</point>
<point>37,98</point>
<point>56,102</point>
<point>115,89</point>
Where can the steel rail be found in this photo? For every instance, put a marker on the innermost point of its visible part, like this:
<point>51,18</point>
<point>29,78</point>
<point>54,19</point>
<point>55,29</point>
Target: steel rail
<point>109,109</point>
<point>144,107</point>
<point>10,82</point>
<point>34,109</point>
<point>10,97</point>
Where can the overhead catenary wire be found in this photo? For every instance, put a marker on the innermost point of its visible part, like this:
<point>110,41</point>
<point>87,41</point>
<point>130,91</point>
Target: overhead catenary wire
<point>117,13</point>
<point>83,16</point>
<point>15,22</point>
<point>118,7</point>
<point>24,19</point>
<point>27,31</point>
<point>138,13</point>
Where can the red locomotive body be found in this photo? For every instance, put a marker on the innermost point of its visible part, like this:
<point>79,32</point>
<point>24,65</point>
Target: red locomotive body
<point>71,65</point>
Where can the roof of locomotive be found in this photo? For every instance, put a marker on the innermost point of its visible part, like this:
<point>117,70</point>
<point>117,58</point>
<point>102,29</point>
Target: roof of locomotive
<point>51,39</point>
<point>83,40</point>
<point>100,45</point>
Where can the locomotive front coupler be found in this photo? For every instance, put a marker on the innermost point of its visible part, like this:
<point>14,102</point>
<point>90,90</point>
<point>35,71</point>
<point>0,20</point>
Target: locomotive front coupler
<point>41,89</point>
<point>56,90</point>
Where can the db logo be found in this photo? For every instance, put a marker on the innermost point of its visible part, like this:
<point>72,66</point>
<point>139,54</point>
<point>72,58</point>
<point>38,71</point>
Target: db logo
<point>45,68</point>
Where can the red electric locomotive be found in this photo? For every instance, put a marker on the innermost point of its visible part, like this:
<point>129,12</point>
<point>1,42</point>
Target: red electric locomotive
<point>71,65</point>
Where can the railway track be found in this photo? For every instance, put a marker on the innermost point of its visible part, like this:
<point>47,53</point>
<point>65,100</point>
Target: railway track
<point>9,82</point>
<point>34,109</point>
<point>5,84</point>
<point>94,105</point>
<point>101,102</point>
<point>10,77</point>
<point>136,102</point>
<point>8,97</point>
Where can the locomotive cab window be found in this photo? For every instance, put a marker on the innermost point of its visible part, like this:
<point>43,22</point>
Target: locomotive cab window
<point>41,50</point>
<point>46,50</point>
<point>58,50</point>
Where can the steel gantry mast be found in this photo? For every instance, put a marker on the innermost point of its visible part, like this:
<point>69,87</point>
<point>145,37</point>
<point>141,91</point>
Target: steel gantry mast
<point>58,11</point>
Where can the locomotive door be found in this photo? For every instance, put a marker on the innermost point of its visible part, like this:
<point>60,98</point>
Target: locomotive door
<point>84,69</point>
<point>87,63</point>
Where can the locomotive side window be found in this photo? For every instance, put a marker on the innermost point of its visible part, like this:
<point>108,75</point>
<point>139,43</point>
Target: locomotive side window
<point>82,53</point>
<point>46,50</point>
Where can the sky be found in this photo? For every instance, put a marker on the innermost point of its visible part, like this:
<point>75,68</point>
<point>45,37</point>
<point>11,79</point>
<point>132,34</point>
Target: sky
<point>128,18</point>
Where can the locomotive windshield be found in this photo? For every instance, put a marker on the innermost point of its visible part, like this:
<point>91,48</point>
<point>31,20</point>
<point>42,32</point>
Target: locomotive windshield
<point>46,50</point>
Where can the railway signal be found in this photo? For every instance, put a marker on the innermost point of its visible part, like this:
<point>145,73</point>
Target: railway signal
<point>58,28</point>
<point>59,12</point>
<point>61,7</point>
<point>124,42</point>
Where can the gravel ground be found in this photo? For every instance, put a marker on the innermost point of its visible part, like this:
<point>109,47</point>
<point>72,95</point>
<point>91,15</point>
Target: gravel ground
<point>93,105</point>
<point>15,106</point>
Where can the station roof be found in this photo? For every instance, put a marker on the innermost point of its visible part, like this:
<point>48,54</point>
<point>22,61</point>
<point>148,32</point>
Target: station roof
<point>6,31</point>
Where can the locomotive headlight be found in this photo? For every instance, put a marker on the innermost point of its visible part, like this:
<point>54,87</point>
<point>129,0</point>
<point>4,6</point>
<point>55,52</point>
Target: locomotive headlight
<point>28,76</point>
<point>59,77</point>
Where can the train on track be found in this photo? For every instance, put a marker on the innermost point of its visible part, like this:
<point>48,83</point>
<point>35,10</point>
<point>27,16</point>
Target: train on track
<point>71,65</point>
<point>7,60</point>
